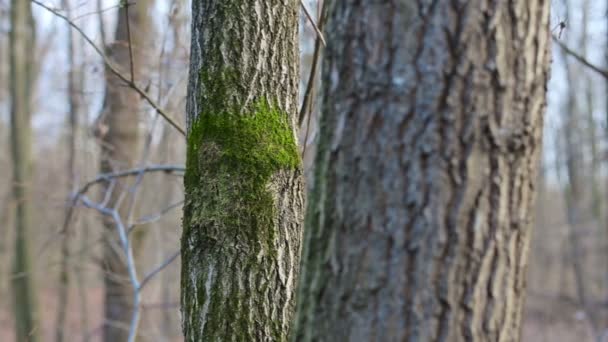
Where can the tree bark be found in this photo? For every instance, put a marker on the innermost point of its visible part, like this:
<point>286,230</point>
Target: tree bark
<point>419,220</point>
<point>244,190</point>
<point>21,45</point>
<point>120,120</point>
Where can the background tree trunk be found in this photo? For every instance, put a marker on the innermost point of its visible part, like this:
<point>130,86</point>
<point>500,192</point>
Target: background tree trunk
<point>121,117</point>
<point>74,87</point>
<point>21,46</point>
<point>419,221</point>
<point>242,216</point>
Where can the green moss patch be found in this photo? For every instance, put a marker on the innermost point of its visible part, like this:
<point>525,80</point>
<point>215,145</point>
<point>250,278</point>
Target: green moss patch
<point>231,159</point>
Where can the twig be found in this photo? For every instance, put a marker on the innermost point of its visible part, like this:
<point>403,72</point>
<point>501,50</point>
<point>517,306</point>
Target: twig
<point>102,30</point>
<point>131,269</point>
<point>115,71</point>
<point>98,11</point>
<point>313,72</point>
<point>312,22</point>
<point>579,58</point>
<point>103,178</point>
<point>131,172</point>
<point>155,217</point>
<point>126,4</point>
<point>158,269</point>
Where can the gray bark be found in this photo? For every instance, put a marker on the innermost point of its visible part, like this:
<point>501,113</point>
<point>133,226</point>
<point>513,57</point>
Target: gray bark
<point>243,210</point>
<point>419,220</point>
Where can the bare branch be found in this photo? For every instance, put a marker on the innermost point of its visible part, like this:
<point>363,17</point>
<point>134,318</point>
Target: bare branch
<point>306,103</point>
<point>131,269</point>
<point>126,4</point>
<point>312,22</point>
<point>98,11</point>
<point>102,178</point>
<point>158,269</point>
<point>131,172</point>
<point>580,58</point>
<point>155,217</point>
<point>114,70</point>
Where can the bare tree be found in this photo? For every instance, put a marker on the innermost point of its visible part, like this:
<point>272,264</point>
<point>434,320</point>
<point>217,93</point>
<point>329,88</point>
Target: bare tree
<point>21,63</point>
<point>243,182</point>
<point>419,220</point>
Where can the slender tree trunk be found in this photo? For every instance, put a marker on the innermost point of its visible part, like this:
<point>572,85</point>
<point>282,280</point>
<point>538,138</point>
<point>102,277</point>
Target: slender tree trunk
<point>21,47</point>
<point>419,220</point>
<point>244,200</point>
<point>591,123</point>
<point>72,99</point>
<point>605,158</point>
<point>573,139</point>
<point>119,151</point>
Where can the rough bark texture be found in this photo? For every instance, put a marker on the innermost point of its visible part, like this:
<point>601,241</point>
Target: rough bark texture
<point>419,220</point>
<point>21,46</point>
<point>120,139</point>
<point>244,200</point>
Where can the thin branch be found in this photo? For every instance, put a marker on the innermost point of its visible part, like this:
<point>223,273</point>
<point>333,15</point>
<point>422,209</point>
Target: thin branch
<point>155,217</point>
<point>306,103</point>
<point>580,58</point>
<point>131,172</point>
<point>102,30</point>
<point>158,269</point>
<point>126,4</point>
<point>131,269</point>
<point>98,11</point>
<point>114,70</point>
<point>312,22</point>
<point>103,178</point>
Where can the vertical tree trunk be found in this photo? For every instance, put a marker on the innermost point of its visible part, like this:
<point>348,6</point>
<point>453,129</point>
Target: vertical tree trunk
<point>72,99</point>
<point>419,220</point>
<point>605,156</point>
<point>21,47</point>
<point>119,151</point>
<point>573,139</point>
<point>591,122</point>
<point>242,216</point>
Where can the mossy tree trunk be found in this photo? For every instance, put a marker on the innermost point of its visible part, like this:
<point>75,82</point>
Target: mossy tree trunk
<point>419,220</point>
<point>21,45</point>
<point>120,120</point>
<point>244,189</point>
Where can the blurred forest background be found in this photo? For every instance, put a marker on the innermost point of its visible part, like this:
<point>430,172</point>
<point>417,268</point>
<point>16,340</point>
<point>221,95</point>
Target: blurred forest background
<point>72,92</point>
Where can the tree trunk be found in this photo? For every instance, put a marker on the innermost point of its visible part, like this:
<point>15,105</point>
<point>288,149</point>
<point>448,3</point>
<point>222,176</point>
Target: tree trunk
<point>119,151</point>
<point>73,108</point>
<point>21,46</point>
<point>244,198</point>
<point>419,220</point>
<point>574,194</point>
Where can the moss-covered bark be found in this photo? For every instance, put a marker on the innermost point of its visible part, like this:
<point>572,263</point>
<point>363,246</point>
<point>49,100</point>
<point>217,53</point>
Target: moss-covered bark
<point>243,210</point>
